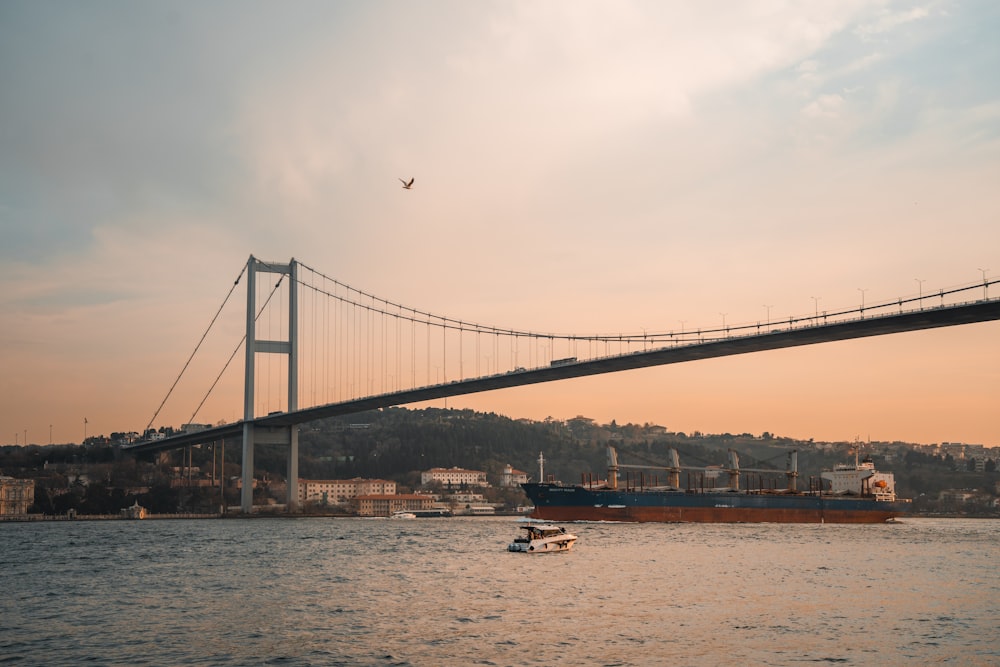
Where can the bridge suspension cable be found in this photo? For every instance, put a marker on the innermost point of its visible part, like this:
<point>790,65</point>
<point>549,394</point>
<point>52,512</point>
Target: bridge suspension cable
<point>353,344</point>
<point>235,350</point>
<point>202,340</point>
<point>408,313</point>
<point>197,347</point>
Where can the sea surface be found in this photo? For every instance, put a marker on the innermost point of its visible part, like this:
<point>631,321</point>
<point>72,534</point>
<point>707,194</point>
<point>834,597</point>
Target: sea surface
<point>277,591</point>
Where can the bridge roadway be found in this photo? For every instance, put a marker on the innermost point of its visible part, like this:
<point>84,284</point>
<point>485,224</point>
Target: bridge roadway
<point>880,325</point>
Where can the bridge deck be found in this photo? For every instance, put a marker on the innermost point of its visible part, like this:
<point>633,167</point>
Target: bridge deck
<point>930,318</point>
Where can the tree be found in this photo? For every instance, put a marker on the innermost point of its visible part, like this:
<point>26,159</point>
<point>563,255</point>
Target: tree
<point>97,499</point>
<point>161,499</point>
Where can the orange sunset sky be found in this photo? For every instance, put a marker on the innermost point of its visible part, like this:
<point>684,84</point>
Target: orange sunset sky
<point>579,167</point>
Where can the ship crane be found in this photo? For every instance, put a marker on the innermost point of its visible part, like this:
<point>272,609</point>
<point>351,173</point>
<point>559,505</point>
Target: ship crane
<point>674,469</point>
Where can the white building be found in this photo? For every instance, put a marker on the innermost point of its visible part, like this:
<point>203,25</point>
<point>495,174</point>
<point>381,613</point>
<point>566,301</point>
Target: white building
<point>512,477</point>
<point>454,477</point>
<point>466,498</point>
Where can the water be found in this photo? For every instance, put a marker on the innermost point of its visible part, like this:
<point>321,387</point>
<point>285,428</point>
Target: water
<point>446,592</point>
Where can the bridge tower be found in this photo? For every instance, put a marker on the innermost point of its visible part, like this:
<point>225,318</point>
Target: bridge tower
<point>270,435</point>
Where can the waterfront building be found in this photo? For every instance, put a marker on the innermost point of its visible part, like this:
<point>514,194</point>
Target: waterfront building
<point>465,498</point>
<point>454,477</point>
<point>513,478</point>
<point>16,496</point>
<point>386,504</point>
<point>333,491</point>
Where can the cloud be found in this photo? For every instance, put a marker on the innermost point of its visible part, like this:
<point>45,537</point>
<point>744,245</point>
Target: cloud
<point>888,20</point>
<point>575,162</point>
<point>826,106</point>
<point>860,64</point>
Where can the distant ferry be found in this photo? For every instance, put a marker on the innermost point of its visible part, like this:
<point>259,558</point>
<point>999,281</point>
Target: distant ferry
<point>857,493</point>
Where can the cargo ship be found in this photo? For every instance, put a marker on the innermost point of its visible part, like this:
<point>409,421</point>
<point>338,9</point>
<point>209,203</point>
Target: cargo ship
<point>850,493</point>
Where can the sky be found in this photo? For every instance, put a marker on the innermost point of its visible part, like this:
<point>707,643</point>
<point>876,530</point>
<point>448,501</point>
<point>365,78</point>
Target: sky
<point>579,167</point>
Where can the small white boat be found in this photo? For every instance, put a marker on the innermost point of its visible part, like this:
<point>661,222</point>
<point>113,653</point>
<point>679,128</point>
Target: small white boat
<point>542,538</point>
<point>403,514</point>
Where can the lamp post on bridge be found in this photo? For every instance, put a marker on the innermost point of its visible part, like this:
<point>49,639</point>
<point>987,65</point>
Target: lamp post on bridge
<point>985,283</point>
<point>862,290</point>
<point>920,292</point>
<point>816,308</point>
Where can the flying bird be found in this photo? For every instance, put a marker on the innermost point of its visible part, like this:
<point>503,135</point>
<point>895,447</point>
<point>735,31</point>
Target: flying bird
<point>406,186</point>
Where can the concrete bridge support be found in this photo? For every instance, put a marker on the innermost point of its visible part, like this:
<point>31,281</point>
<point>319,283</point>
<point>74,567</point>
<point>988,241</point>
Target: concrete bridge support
<point>287,435</point>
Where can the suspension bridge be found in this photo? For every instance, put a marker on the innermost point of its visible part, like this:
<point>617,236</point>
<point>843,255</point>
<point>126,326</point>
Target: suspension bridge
<point>349,351</point>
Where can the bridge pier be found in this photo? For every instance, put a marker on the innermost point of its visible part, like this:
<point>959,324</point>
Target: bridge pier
<point>246,488</point>
<point>283,435</point>
<point>292,498</point>
<point>270,435</point>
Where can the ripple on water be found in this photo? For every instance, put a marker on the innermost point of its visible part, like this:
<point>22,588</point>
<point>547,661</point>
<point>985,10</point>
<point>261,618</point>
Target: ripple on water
<point>354,592</point>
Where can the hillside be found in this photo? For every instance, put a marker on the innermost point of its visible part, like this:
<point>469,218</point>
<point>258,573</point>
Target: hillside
<point>399,443</point>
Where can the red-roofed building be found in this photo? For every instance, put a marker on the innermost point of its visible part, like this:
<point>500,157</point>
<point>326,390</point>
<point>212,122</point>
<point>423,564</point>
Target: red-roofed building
<point>513,477</point>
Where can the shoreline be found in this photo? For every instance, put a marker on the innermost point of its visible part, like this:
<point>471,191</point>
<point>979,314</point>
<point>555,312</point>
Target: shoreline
<point>42,518</point>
